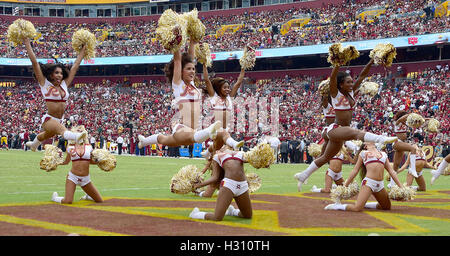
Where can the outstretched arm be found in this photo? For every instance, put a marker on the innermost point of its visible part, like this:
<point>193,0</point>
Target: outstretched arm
<point>75,66</point>
<point>176,79</point>
<point>333,81</point>
<point>36,68</point>
<point>238,83</point>
<point>362,75</point>
<point>191,49</point>
<point>354,172</point>
<point>209,86</point>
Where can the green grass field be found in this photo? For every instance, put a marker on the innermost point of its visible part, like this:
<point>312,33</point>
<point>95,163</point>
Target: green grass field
<point>140,177</point>
<point>148,177</point>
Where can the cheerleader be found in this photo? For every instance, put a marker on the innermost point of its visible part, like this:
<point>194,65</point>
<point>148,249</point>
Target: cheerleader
<point>334,172</point>
<point>54,80</point>
<point>371,162</point>
<point>400,146</point>
<point>81,157</point>
<point>213,182</point>
<point>221,95</point>
<point>180,72</point>
<point>342,91</point>
<point>420,163</point>
<point>234,185</point>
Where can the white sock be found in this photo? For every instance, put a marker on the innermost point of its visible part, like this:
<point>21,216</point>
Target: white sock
<point>371,137</point>
<point>231,142</point>
<point>315,189</point>
<point>306,173</point>
<point>341,207</point>
<point>236,212</point>
<point>201,135</point>
<point>201,194</point>
<point>336,207</point>
<point>412,165</point>
<point>371,205</point>
<point>152,139</point>
<point>56,198</point>
<point>36,142</point>
<point>196,214</point>
<point>68,135</point>
<point>441,167</point>
<point>87,197</point>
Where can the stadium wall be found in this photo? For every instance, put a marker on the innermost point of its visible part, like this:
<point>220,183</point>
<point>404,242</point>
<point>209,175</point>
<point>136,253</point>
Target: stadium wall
<point>267,74</point>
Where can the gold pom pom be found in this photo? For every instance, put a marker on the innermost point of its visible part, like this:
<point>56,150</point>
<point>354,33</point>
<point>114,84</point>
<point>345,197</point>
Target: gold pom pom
<point>171,31</point>
<point>184,180</point>
<point>195,28</point>
<point>203,54</point>
<point>84,37</point>
<point>414,120</point>
<point>314,149</point>
<point>254,182</point>
<point>342,192</point>
<point>104,159</point>
<point>369,88</point>
<point>53,156</point>
<point>324,87</point>
<point>248,59</point>
<point>261,156</point>
<point>19,30</point>
<point>433,125</point>
<point>383,54</point>
<point>401,194</point>
<point>339,55</point>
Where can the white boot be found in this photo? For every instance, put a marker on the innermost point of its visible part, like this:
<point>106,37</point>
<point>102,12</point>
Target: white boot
<point>197,214</point>
<point>336,207</point>
<point>86,197</point>
<point>56,198</point>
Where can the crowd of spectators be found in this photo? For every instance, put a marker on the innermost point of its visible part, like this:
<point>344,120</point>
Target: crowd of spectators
<point>331,23</point>
<point>129,110</point>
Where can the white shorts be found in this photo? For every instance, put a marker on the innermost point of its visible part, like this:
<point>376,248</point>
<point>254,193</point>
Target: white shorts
<point>334,175</point>
<point>331,127</point>
<point>237,187</point>
<point>79,180</point>
<point>375,185</point>
<point>177,127</point>
<point>46,117</point>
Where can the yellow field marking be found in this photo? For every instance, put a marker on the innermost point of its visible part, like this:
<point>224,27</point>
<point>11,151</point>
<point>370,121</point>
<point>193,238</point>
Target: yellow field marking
<point>54,226</point>
<point>262,219</point>
<point>266,220</point>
